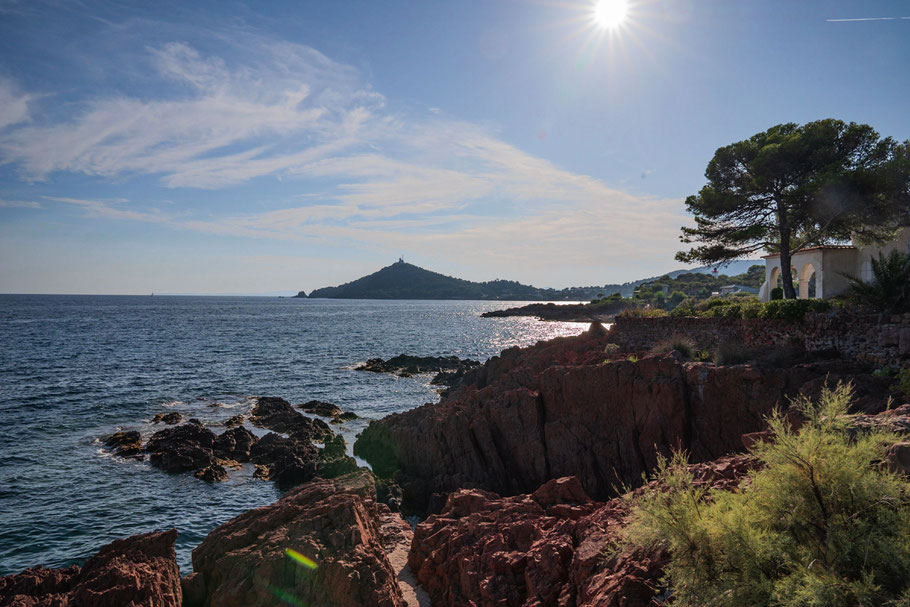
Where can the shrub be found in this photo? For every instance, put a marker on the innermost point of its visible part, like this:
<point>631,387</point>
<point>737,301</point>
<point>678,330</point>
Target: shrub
<point>733,353</point>
<point>611,349</point>
<point>889,289</point>
<point>680,343</point>
<point>643,313</point>
<point>777,293</point>
<point>792,309</point>
<point>822,522</point>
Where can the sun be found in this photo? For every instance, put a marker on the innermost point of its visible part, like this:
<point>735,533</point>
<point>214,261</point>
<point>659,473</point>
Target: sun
<point>610,14</point>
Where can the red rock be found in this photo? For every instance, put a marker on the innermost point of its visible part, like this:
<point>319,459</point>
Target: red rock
<point>558,409</point>
<point>335,523</point>
<point>139,571</point>
<point>522,551</point>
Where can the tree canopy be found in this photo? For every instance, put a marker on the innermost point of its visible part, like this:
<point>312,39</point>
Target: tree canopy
<point>797,186</point>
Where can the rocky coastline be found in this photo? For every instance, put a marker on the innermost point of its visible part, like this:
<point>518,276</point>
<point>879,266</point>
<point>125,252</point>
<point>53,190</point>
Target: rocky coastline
<point>514,475</point>
<point>579,312</point>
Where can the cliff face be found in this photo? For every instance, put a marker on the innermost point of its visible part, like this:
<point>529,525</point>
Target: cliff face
<point>327,542</point>
<point>140,571</point>
<point>559,409</point>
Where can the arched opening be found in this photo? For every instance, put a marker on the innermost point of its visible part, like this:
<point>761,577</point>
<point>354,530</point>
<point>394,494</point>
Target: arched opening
<point>773,280</point>
<point>807,282</point>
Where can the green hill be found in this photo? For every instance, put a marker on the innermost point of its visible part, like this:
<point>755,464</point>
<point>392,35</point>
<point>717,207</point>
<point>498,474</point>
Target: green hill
<point>406,281</point>
<point>402,280</point>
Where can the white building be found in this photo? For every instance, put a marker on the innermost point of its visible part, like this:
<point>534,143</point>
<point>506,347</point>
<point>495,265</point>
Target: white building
<point>829,265</point>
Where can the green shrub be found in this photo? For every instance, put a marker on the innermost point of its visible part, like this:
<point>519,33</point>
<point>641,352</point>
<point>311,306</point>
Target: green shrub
<point>791,309</point>
<point>889,288</point>
<point>777,293</point>
<point>680,343</point>
<point>643,313</point>
<point>611,349</point>
<point>822,523</point>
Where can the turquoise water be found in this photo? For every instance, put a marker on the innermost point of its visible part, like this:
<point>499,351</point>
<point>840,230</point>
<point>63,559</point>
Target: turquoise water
<point>74,368</point>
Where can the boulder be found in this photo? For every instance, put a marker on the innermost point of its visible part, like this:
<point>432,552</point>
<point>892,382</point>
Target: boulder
<point>234,421</point>
<point>318,407</point>
<point>212,474</point>
<point>124,443</point>
<point>170,418</point>
<point>140,571</point>
<point>288,461</point>
<point>321,544</point>
<point>278,415</point>
<point>182,448</point>
<point>235,444</point>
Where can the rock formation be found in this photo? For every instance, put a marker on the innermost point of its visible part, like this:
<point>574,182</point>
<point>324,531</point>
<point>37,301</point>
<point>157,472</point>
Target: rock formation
<point>140,571</point>
<point>552,547</point>
<point>560,409</point>
<point>278,415</point>
<point>321,544</point>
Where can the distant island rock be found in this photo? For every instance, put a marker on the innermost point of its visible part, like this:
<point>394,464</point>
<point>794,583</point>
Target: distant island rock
<point>403,280</point>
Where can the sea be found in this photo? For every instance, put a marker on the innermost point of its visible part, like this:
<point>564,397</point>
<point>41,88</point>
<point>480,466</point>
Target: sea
<point>74,369</point>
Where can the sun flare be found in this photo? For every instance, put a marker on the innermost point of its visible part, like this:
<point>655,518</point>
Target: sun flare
<point>610,14</point>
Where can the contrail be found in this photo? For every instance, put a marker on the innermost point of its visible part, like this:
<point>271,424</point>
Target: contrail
<point>866,19</point>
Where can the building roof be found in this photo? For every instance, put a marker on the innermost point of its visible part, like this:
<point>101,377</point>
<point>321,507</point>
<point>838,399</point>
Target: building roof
<point>819,248</point>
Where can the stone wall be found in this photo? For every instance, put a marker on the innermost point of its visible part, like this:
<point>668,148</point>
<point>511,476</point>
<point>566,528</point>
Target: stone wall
<point>879,340</point>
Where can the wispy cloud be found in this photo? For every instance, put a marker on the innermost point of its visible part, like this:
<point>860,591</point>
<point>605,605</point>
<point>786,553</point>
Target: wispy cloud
<point>13,104</point>
<point>851,20</point>
<point>21,204</point>
<point>353,170</point>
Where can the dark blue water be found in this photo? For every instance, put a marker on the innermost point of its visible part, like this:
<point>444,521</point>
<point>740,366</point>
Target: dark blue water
<point>74,368</point>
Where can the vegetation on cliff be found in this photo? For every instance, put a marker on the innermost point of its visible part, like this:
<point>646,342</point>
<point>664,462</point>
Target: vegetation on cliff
<point>823,522</point>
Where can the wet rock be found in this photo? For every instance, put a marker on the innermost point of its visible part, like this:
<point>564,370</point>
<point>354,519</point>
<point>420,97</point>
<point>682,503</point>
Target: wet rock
<point>287,461</point>
<point>334,460</point>
<point>140,571</point>
<point>170,418</point>
<point>234,421</point>
<point>412,365</point>
<point>278,415</point>
<point>235,444</point>
<point>212,474</point>
<point>182,448</point>
<point>321,544</point>
<point>318,407</point>
<point>124,443</point>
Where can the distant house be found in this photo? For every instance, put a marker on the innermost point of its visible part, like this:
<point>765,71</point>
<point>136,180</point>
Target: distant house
<point>731,289</point>
<point>651,286</point>
<point>822,271</point>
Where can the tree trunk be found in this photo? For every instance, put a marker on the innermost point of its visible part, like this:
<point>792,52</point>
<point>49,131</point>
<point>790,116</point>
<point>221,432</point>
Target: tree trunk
<point>786,275</point>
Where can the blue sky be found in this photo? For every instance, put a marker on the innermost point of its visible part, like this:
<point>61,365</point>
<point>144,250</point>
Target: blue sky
<point>228,147</point>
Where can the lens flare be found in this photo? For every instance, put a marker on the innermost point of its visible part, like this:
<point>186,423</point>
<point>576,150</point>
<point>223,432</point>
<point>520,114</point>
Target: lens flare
<point>300,559</point>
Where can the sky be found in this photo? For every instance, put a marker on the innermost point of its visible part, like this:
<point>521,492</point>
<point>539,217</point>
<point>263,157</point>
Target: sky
<point>270,147</point>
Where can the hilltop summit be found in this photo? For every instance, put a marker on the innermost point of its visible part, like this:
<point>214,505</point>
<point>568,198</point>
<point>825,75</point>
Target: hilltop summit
<point>403,280</point>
